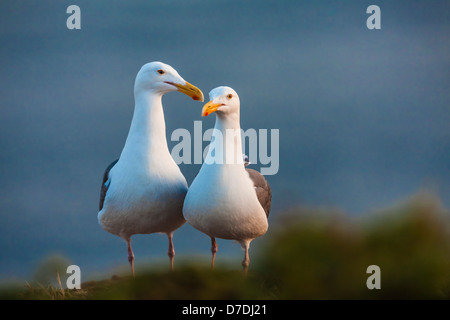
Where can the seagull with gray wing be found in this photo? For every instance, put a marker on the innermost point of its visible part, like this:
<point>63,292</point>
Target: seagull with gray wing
<point>143,191</point>
<point>226,200</point>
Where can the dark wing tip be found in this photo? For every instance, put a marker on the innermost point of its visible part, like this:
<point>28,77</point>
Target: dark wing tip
<point>104,187</point>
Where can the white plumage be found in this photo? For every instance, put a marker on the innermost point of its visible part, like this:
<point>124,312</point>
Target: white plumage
<point>143,192</point>
<point>222,202</point>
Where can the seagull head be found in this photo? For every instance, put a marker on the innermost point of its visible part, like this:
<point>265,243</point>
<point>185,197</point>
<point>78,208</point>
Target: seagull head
<point>224,101</point>
<point>160,78</point>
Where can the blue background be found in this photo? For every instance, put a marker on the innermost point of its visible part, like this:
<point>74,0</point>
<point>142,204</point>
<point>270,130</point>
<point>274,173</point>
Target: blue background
<point>363,114</point>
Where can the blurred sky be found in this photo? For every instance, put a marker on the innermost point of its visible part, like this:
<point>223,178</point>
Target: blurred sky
<point>363,114</point>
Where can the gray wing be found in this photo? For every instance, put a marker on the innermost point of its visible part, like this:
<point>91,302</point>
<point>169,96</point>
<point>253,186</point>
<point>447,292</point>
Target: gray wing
<point>262,189</point>
<point>105,184</point>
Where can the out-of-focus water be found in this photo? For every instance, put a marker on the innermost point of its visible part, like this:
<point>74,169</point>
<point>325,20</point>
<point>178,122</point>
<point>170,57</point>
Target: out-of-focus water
<point>363,115</point>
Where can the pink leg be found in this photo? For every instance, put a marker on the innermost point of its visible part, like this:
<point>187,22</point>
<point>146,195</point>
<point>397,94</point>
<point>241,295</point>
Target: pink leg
<point>171,251</point>
<point>246,261</point>
<point>130,256</point>
<point>213,251</point>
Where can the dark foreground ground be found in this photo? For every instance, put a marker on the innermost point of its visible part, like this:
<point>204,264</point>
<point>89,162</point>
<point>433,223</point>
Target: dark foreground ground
<point>307,254</point>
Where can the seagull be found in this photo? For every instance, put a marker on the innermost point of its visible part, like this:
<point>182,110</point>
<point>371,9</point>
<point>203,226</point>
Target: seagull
<point>143,191</point>
<point>227,200</point>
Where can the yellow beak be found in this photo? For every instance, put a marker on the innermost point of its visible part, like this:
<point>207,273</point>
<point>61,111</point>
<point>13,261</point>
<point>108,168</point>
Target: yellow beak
<point>189,90</point>
<point>209,108</point>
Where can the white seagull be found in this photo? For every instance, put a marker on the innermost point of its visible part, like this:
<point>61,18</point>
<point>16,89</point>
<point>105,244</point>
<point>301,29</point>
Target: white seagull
<point>143,191</point>
<point>226,200</point>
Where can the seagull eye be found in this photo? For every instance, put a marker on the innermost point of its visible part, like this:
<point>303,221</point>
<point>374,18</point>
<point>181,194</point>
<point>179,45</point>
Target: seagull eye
<point>161,71</point>
<point>229,96</point>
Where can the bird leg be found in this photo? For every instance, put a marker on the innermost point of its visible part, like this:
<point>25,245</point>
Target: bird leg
<point>171,251</point>
<point>246,261</point>
<point>130,257</point>
<point>213,251</point>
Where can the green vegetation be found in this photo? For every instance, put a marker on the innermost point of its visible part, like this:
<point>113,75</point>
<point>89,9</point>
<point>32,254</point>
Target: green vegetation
<point>307,254</point>
<point>325,256</point>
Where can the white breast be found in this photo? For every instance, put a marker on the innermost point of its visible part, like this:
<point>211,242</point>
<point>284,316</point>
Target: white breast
<point>140,201</point>
<point>222,203</point>
<point>147,189</point>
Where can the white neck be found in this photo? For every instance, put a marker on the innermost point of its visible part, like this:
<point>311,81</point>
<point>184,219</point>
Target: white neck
<point>147,136</point>
<point>226,140</point>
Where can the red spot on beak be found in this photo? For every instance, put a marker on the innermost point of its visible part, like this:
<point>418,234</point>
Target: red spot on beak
<point>195,97</point>
<point>206,114</point>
